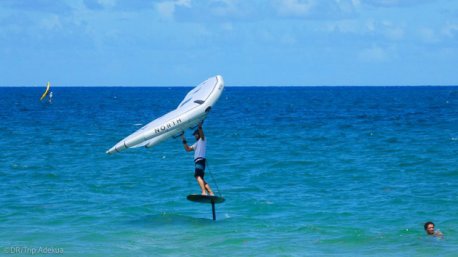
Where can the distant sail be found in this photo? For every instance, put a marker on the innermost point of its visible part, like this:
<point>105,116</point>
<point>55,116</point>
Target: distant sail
<point>193,109</point>
<point>46,92</point>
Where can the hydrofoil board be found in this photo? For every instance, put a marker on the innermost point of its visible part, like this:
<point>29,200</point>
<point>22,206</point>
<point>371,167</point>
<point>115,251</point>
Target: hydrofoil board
<point>205,198</point>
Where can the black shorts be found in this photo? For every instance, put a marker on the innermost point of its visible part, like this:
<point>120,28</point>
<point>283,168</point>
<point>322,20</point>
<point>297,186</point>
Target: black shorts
<point>200,168</point>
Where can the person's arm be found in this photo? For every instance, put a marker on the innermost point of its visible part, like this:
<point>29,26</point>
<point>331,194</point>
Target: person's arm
<point>201,131</point>
<point>438,233</point>
<point>187,148</point>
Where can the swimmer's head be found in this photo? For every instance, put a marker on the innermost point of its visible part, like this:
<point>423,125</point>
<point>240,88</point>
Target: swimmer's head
<point>429,228</point>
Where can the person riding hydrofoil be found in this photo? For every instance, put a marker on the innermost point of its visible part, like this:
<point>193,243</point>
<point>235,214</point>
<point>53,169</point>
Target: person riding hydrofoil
<point>199,148</point>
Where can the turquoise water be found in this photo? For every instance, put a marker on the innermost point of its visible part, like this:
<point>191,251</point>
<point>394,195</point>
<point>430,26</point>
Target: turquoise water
<point>341,171</point>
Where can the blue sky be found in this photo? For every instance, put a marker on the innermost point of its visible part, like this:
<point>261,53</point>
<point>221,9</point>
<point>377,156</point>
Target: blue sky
<point>248,42</point>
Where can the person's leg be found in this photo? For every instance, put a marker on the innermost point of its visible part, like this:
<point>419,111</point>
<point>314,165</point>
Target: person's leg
<point>208,188</point>
<point>201,183</point>
<point>199,175</point>
<point>203,164</point>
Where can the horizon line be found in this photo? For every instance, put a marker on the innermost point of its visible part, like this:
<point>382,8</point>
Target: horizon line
<point>235,86</point>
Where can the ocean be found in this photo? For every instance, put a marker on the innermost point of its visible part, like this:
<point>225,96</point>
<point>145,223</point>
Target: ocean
<point>305,171</point>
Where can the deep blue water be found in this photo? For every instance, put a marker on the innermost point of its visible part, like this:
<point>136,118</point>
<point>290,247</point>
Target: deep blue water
<point>319,171</point>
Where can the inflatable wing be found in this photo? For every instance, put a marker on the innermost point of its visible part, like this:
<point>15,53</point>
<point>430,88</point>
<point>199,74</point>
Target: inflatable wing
<point>46,92</point>
<point>193,109</point>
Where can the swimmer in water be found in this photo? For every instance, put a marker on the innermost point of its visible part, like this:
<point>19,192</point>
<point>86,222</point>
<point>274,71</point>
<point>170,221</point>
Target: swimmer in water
<point>429,228</point>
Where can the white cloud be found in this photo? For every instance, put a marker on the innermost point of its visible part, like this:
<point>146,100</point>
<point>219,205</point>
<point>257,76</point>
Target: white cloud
<point>167,9</point>
<point>356,3</point>
<point>107,3</point>
<point>450,30</point>
<point>227,26</point>
<point>429,35</point>
<point>384,2</point>
<point>347,6</point>
<point>295,7</point>
<point>394,3</point>
<point>344,26</point>
<point>52,22</point>
<point>316,9</point>
<point>392,31</point>
<point>227,7</point>
<point>386,29</point>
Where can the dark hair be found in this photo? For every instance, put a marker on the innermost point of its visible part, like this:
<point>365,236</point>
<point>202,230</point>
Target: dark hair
<point>196,132</point>
<point>428,223</point>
